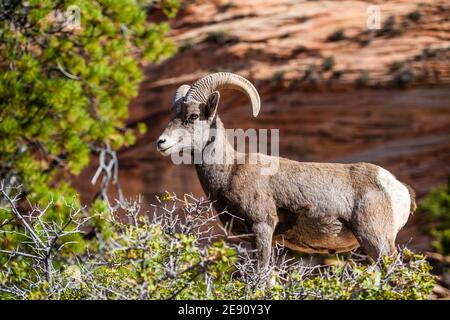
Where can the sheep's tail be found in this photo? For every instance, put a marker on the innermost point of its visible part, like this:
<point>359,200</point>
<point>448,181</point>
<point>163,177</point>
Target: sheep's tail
<point>412,195</point>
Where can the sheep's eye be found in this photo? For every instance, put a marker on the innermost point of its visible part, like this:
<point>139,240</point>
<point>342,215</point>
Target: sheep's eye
<point>193,116</point>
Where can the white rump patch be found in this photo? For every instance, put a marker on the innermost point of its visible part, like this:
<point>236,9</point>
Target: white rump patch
<point>399,196</point>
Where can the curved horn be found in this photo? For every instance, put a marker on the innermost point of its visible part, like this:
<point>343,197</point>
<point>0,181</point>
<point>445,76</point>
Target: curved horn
<point>202,89</point>
<point>180,93</point>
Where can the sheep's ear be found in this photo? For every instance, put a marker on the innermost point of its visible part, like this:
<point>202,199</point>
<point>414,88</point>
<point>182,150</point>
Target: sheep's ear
<point>211,105</point>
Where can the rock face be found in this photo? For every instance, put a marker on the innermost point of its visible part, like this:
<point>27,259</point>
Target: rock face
<point>336,90</point>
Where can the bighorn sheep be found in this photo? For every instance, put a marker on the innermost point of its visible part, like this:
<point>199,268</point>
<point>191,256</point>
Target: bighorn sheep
<point>310,207</point>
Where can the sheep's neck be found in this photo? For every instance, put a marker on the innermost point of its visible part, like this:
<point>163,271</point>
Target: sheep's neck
<point>214,175</point>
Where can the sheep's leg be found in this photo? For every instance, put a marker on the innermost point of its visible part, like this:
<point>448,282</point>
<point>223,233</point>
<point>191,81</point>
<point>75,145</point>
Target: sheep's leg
<point>263,242</point>
<point>376,247</point>
<point>373,227</point>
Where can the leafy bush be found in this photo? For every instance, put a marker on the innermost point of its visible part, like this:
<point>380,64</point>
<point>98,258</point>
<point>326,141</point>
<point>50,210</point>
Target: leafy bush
<point>67,74</point>
<point>436,210</point>
<point>173,255</point>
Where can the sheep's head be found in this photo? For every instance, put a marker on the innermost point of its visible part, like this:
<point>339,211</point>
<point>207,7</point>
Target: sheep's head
<point>194,111</point>
<point>189,126</point>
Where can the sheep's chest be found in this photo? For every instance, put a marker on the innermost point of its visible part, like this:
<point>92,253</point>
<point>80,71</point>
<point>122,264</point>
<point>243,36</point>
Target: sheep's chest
<point>314,235</point>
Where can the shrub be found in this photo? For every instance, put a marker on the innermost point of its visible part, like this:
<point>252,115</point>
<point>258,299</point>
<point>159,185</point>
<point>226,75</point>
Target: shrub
<point>65,86</point>
<point>404,277</point>
<point>337,35</point>
<point>415,16</point>
<point>391,28</point>
<point>221,37</point>
<point>389,25</point>
<point>226,6</point>
<point>312,75</point>
<point>402,73</point>
<point>436,210</point>
<point>173,255</point>
<point>403,77</point>
<point>328,63</point>
<point>277,79</point>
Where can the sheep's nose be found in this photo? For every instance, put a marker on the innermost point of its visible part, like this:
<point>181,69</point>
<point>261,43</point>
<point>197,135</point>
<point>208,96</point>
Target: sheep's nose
<point>160,142</point>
